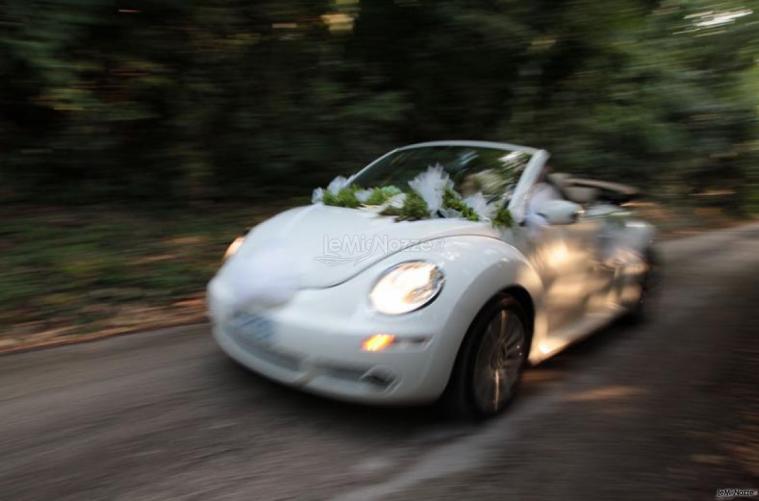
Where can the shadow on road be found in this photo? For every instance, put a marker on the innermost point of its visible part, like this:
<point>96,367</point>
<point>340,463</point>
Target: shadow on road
<point>246,388</point>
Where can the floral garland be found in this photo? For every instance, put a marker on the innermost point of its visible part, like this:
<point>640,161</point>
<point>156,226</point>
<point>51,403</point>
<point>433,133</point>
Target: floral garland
<point>431,195</point>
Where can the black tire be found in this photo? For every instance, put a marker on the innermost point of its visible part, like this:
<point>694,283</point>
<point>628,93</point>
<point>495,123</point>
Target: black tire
<point>463,395</point>
<point>639,311</point>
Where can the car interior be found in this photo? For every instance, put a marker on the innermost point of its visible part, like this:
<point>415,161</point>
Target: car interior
<point>588,191</point>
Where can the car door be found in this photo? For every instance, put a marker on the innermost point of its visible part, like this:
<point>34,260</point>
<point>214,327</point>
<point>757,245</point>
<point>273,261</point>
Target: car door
<point>559,254</point>
<point>567,258</point>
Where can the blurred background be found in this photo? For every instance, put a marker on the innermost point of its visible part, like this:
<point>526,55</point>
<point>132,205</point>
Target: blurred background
<point>137,138</point>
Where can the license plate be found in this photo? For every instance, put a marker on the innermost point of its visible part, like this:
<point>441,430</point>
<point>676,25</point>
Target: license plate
<point>253,328</point>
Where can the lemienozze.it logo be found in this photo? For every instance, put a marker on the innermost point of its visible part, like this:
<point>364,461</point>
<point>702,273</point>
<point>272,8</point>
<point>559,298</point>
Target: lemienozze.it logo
<point>735,493</point>
<point>354,249</point>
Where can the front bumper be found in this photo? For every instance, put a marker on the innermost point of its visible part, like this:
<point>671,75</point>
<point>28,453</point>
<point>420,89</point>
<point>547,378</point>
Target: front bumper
<point>315,345</point>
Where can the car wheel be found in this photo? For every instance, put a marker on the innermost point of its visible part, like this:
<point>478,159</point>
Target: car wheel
<point>639,310</point>
<point>489,365</point>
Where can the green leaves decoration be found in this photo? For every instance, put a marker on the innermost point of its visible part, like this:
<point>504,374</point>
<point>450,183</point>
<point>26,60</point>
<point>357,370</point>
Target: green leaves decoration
<point>503,218</point>
<point>346,197</point>
<point>414,207</point>
<point>381,195</point>
<point>452,200</point>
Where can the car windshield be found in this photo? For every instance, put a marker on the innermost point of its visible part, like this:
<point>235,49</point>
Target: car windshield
<point>492,171</point>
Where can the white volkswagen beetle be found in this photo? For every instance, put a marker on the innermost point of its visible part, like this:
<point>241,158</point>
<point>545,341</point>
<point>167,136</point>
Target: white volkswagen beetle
<point>408,281</point>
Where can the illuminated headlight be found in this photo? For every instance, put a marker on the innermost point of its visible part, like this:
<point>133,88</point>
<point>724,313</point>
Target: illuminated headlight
<point>407,287</point>
<point>234,247</point>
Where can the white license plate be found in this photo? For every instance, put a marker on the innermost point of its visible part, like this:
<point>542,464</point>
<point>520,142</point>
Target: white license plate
<point>252,328</point>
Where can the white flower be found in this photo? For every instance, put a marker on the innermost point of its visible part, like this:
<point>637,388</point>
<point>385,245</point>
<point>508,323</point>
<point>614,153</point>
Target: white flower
<point>278,275</point>
<point>338,184</point>
<point>396,201</point>
<point>430,185</point>
<point>334,188</point>
<point>363,195</point>
<point>480,206</point>
<point>450,213</point>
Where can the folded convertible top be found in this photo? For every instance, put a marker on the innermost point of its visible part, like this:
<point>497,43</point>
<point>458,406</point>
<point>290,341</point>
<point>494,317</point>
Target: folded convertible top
<point>585,190</point>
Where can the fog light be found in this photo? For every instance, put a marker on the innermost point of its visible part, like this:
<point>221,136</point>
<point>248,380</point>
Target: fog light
<point>378,377</point>
<point>377,342</point>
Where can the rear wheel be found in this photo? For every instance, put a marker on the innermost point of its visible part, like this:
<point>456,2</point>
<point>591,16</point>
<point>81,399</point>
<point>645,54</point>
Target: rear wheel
<point>649,280</point>
<point>490,362</point>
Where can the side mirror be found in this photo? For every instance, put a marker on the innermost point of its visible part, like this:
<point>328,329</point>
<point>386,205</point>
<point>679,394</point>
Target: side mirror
<point>560,211</point>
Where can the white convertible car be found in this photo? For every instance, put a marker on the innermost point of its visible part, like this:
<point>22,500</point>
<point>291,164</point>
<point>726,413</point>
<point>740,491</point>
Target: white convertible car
<point>440,270</point>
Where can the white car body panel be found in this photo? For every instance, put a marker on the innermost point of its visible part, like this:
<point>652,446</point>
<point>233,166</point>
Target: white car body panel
<point>576,277</point>
<point>316,226</point>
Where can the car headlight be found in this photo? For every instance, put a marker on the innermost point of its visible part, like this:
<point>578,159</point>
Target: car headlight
<point>234,247</point>
<point>407,287</point>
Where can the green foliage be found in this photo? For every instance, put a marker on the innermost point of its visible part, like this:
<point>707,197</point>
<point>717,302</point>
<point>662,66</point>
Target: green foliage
<point>190,101</point>
<point>65,265</point>
<point>503,218</point>
<point>414,208</point>
<point>382,194</point>
<point>346,197</point>
<point>452,200</point>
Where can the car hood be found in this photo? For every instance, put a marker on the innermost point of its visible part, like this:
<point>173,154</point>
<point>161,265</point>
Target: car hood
<point>320,246</point>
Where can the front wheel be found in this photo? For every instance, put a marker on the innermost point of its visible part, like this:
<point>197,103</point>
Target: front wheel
<point>489,365</point>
